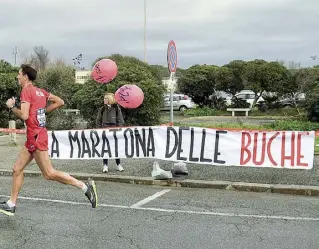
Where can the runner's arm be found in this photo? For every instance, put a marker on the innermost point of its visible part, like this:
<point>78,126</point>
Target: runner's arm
<point>56,103</point>
<point>24,112</point>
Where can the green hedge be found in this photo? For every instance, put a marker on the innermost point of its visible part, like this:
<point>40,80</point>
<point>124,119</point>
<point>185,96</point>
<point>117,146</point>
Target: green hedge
<point>284,113</point>
<point>293,125</point>
<point>280,125</point>
<point>204,111</point>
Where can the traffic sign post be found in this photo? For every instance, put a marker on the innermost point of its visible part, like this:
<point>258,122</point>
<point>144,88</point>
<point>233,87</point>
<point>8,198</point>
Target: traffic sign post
<point>172,67</point>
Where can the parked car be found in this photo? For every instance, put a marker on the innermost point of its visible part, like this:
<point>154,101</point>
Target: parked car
<point>181,103</point>
<point>247,95</point>
<point>288,101</point>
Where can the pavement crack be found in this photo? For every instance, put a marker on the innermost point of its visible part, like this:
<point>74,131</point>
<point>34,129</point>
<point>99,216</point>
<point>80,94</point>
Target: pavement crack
<point>131,240</point>
<point>112,213</point>
<point>165,217</point>
<point>22,244</point>
<point>243,227</point>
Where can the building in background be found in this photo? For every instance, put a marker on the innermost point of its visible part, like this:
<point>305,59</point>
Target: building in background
<point>81,76</point>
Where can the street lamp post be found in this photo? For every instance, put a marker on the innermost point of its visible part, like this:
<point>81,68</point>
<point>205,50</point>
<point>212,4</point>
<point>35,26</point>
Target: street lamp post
<point>15,53</point>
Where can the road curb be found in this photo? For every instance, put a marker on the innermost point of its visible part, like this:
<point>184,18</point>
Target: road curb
<point>226,185</point>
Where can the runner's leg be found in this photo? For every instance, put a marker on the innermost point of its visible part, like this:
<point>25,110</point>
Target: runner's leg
<point>45,165</point>
<point>23,160</point>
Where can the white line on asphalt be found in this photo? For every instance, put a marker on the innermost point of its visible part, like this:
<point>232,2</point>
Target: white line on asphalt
<point>274,217</point>
<point>150,198</point>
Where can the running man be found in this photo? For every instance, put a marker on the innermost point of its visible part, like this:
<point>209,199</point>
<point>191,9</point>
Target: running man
<point>33,109</point>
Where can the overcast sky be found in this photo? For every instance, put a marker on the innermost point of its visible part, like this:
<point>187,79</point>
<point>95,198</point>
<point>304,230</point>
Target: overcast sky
<point>205,31</point>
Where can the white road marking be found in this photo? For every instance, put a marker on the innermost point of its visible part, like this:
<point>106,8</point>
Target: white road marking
<point>274,217</point>
<point>150,198</point>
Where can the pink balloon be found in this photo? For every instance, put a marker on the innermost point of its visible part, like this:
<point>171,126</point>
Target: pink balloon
<point>104,71</point>
<point>129,96</point>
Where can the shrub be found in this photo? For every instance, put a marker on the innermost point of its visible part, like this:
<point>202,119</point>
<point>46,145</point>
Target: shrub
<point>204,111</point>
<point>130,71</point>
<point>59,120</point>
<point>282,125</point>
<point>239,103</point>
<point>8,89</point>
<point>59,79</point>
<point>283,112</point>
<point>292,125</point>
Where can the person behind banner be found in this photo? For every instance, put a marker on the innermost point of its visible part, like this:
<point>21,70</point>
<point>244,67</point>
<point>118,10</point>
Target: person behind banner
<point>33,111</point>
<point>110,115</point>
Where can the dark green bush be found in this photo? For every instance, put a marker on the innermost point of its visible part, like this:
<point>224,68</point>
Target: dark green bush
<point>196,112</point>
<point>130,71</point>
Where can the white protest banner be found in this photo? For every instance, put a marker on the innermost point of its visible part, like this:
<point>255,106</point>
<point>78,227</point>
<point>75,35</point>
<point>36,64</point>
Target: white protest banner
<point>277,149</point>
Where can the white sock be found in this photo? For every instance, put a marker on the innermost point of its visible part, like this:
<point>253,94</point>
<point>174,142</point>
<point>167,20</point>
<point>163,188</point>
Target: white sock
<point>84,188</point>
<point>11,204</point>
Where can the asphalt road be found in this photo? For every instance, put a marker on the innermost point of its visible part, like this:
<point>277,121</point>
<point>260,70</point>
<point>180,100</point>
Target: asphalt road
<point>52,215</point>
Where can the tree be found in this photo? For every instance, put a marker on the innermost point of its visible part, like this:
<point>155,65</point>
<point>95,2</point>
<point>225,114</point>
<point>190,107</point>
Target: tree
<point>308,79</point>
<point>162,72</point>
<point>6,67</point>
<point>159,71</point>
<point>230,77</point>
<point>59,79</point>
<point>292,86</point>
<point>297,82</point>
<point>130,71</point>
<point>224,80</point>
<point>198,82</point>
<point>262,76</point>
<point>304,79</point>
<point>179,72</point>
<point>8,88</point>
<point>39,59</point>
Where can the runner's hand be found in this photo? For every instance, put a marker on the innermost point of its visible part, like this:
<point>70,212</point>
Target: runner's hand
<point>11,102</point>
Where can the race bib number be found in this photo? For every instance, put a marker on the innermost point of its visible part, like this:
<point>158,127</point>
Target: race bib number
<point>41,117</point>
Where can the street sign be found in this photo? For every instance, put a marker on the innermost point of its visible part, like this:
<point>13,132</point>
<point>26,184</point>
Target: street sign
<point>172,57</point>
<point>172,67</point>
